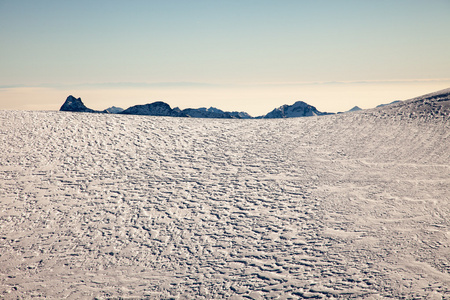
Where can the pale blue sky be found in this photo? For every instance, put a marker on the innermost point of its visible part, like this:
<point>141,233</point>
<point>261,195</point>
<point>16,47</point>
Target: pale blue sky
<point>78,46</point>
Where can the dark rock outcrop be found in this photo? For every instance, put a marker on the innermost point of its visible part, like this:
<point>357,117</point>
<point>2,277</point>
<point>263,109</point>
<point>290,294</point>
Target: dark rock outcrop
<point>355,108</point>
<point>154,109</point>
<point>298,109</point>
<point>114,110</point>
<point>76,105</point>
<point>213,112</point>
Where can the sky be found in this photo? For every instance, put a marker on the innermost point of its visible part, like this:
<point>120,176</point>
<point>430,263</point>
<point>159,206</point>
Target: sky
<point>246,55</point>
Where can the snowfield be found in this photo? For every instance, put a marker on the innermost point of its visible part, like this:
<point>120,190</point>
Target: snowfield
<point>355,205</point>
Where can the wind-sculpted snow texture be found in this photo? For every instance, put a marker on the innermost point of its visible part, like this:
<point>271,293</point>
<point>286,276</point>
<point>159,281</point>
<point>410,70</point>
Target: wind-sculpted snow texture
<point>342,206</point>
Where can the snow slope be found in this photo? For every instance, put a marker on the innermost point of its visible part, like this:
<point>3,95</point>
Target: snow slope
<point>341,206</point>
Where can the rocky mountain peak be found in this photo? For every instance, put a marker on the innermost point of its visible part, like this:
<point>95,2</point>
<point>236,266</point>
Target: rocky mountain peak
<point>355,108</point>
<point>75,105</point>
<point>158,108</point>
<point>298,109</point>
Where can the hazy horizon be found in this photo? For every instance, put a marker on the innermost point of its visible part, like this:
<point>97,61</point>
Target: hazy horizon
<point>253,99</point>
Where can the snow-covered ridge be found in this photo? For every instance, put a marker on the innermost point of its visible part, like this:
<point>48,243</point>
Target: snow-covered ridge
<point>431,105</point>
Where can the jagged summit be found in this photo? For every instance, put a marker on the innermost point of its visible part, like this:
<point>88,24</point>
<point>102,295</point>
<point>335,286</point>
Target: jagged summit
<point>298,109</point>
<point>75,105</point>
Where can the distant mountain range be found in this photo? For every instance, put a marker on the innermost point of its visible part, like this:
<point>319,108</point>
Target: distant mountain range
<point>436,104</point>
<point>298,109</point>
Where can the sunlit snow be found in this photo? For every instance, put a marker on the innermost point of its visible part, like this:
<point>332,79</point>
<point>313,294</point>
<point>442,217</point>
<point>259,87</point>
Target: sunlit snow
<point>355,205</point>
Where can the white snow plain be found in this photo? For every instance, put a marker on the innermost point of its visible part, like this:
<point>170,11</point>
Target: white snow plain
<point>344,206</point>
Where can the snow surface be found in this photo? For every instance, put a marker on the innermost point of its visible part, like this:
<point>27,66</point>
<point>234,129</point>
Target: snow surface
<point>341,206</point>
